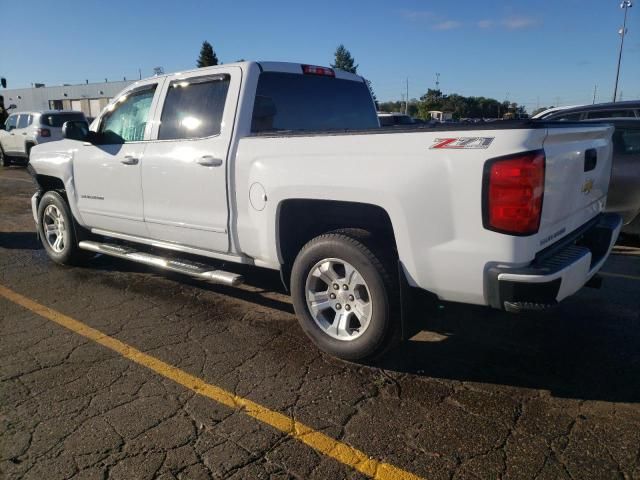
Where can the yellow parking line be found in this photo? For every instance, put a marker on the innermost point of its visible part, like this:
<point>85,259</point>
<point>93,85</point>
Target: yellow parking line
<point>320,442</point>
<point>619,275</point>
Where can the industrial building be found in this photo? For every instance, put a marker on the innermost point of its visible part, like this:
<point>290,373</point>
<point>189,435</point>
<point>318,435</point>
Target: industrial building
<point>89,98</point>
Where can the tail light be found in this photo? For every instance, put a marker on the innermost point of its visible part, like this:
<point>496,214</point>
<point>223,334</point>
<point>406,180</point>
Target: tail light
<point>513,188</point>
<point>44,132</point>
<point>322,71</point>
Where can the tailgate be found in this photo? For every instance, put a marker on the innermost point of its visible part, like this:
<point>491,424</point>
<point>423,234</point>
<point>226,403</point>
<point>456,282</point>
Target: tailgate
<point>577,172</point>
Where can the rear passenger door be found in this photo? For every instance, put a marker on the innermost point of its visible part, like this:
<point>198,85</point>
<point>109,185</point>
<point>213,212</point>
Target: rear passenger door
<point>21,133</point>
<point>184,173</point>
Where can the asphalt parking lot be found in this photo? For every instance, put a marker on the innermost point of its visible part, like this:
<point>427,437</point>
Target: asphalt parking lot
<point>119,371</point>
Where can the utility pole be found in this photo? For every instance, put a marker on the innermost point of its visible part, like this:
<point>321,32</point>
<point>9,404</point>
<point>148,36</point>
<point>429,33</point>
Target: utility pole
<point>595,90</point>
<point>406,103</point>
<point>625,5</point>
<point>437,81</point>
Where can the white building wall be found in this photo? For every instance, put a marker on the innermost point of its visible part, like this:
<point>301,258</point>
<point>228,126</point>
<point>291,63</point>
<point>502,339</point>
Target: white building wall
<point>81,95</point>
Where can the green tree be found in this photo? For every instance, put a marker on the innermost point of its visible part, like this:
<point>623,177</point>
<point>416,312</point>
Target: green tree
<point>373,94</point>
<point>344,60</point>
<point>208,57</point>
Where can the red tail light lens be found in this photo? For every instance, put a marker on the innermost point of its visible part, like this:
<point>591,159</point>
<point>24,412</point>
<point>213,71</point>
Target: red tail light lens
<point>322,71</point>
<point>44,132</point>
<point>512,193</point>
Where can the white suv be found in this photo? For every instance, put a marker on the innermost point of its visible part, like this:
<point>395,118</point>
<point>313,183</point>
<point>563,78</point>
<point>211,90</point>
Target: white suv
<point>22,130</point>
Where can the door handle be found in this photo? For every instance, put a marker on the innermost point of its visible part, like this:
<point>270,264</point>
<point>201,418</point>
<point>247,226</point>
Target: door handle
<point>209,161</point>
<point>24,133</point>
<point>129,160</point>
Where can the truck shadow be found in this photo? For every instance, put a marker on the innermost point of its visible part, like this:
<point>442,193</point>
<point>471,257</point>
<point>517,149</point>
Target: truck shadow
<point>583,349</point>
<point>586,348</point>
<point>19,241</point>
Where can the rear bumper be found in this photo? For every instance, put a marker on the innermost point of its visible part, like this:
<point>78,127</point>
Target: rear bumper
<point>558,271</point>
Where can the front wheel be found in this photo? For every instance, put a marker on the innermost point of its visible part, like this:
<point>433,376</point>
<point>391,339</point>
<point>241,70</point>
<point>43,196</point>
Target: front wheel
<point>4,160</point>
<point>57,232</point>
<point>344,295</point>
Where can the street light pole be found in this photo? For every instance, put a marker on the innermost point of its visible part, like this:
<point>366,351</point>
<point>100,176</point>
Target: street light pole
<point>626,4</point>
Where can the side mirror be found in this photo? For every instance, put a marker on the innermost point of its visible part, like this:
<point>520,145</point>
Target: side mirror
<point>75,130</point>
<point>13,105</point>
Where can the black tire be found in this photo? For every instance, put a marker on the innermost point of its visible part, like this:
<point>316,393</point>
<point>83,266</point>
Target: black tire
<point>70,253</point>
<point>4,160</point>
<point>27,149</point>
<point>376,266</point>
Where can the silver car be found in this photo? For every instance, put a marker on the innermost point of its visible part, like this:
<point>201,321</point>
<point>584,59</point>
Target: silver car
<point>22,130</point>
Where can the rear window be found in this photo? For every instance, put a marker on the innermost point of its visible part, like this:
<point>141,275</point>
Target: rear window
<point>58,119</point>
<point>289,101</point>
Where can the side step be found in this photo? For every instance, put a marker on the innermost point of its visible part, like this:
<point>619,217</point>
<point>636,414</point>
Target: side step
<point>193,269</point>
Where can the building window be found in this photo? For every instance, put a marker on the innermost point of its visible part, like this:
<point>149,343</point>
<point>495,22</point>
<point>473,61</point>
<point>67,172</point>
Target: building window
<point>55,104</point>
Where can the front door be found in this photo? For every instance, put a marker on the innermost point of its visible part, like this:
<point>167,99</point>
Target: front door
<point>9,141</point>
<point>185,168</point>
<point>107,173</point>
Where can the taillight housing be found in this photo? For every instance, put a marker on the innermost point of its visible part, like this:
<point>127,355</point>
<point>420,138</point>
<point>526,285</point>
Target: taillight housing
<point>315,70</point>
<point>512,194</point>
<point>44,132</point>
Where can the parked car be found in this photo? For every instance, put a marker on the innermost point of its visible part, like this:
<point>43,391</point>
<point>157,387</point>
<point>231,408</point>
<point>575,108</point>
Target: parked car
<point>625,110</point>
<point>624,191</point>
<point>393,119</point>
<point>284,166</point>
<point>23,130</point>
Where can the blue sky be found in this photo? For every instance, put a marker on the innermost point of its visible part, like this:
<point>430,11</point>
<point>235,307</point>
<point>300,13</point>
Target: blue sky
<point>534,52</point>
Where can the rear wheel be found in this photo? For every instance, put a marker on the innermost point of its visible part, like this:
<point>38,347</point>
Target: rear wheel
<point>57,232</point>
<point>344,295</point>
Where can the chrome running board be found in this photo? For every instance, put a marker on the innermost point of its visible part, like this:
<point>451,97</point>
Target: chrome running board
<point>193,269</point>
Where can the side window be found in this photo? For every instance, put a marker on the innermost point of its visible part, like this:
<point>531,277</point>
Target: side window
<point>610,114</point>
<point>126,120</point>
<point>626,141</point>
<point>23,121</point>
<point>12,121</point>
<point>573,117</point>
<point>193,108</point>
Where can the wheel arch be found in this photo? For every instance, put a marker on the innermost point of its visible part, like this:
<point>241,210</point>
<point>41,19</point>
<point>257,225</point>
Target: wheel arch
<point>300,220</point>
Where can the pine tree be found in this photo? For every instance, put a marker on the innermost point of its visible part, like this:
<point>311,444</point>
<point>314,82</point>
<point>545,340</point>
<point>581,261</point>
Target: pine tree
<point>207,56</point>
<point>344,60</point>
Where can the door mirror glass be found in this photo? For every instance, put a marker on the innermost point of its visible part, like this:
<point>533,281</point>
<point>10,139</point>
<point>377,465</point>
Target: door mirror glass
<point>75,130</point>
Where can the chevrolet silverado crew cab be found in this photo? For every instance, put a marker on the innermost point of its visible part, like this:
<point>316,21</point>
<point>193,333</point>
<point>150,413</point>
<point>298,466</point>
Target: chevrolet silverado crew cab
<point>285,166</point>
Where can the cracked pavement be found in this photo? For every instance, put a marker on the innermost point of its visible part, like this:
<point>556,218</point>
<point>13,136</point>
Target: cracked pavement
<point>477,394</point>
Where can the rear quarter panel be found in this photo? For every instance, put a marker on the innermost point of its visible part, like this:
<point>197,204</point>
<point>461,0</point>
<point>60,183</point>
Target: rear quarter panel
<point>433,197</point>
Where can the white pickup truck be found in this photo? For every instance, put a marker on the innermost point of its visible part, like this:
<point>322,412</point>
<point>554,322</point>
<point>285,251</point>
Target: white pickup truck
<point>285,166</point>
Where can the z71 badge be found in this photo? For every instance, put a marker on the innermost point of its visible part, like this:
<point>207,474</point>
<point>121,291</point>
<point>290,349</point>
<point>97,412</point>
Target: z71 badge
<point>462,142</point>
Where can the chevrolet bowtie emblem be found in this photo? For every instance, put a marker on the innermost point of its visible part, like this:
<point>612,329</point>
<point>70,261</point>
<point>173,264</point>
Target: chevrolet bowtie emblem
<point>587,187</point>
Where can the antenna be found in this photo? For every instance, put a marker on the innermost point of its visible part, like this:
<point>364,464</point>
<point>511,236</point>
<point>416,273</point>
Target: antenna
<point>437,81</point>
